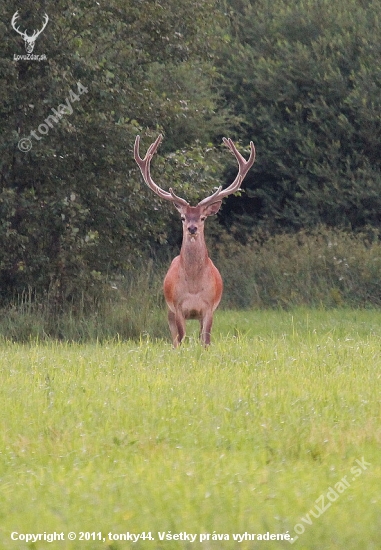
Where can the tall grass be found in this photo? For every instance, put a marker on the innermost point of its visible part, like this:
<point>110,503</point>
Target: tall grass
<point>328,268</point>
<point>129,307</point>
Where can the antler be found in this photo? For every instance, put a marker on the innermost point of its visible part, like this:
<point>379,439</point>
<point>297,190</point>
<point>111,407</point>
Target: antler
<point>36,33</point>
<point>13,22</point>
<point>144,165</point>
<point>243,168</point>
<point>23,34</point>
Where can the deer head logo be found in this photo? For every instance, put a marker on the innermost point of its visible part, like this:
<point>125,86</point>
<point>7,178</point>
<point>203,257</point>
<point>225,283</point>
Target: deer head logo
<point>29,40</point>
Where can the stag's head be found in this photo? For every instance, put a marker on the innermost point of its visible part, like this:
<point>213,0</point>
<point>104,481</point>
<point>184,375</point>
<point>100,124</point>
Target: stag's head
<point>193,217</point>
<point>29,40</point>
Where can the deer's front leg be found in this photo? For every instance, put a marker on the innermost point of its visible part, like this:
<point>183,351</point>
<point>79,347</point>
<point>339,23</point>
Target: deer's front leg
<point>177,327</point>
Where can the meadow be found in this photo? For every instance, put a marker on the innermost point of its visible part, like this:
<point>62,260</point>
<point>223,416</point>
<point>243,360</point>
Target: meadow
<point>273,430</point>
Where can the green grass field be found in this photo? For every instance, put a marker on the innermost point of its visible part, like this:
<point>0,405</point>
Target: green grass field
<point>275,429</point>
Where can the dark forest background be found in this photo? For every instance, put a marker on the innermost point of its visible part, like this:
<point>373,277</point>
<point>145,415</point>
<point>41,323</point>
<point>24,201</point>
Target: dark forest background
<point>301,79</point>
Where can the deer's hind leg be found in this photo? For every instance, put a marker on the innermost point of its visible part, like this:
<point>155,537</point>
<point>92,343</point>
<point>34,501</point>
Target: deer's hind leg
<point>206,328</point>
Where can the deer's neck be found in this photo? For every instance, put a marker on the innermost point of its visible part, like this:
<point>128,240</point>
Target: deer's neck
<point>194,254</point>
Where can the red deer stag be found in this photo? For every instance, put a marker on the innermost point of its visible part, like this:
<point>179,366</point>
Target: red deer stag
<point>193,285</point>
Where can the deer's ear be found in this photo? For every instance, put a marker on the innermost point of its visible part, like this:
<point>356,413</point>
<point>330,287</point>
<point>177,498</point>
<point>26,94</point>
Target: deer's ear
<point>212,208</point>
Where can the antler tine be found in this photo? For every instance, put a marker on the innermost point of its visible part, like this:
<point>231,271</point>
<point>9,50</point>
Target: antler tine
<point>46,19</point>
<point>243,167</point>
<point>13,23</point>
<point>37,33</point>
<point>211,198</point>
<point>144,165</point>
<point>179,200</point>
<point>151,150</point>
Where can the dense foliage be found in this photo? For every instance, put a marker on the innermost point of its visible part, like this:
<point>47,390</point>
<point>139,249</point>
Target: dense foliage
<point>73,208</point>
<point>305,79</point>
<point>301,79</point>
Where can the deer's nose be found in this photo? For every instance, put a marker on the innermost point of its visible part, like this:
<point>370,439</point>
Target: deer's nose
<point>192,229</point>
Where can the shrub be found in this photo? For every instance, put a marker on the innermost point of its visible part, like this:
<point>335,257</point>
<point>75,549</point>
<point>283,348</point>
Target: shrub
<point>325,267</point>
<point>130,307</point>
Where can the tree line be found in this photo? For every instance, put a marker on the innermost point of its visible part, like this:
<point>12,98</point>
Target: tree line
<point>301,79</point>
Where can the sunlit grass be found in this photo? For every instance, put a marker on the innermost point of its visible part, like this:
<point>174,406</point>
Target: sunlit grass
<point>242,437</point>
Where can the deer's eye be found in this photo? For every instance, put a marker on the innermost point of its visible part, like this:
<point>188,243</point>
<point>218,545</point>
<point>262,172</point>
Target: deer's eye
<point>203,218</point>
<point>183,218</point>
